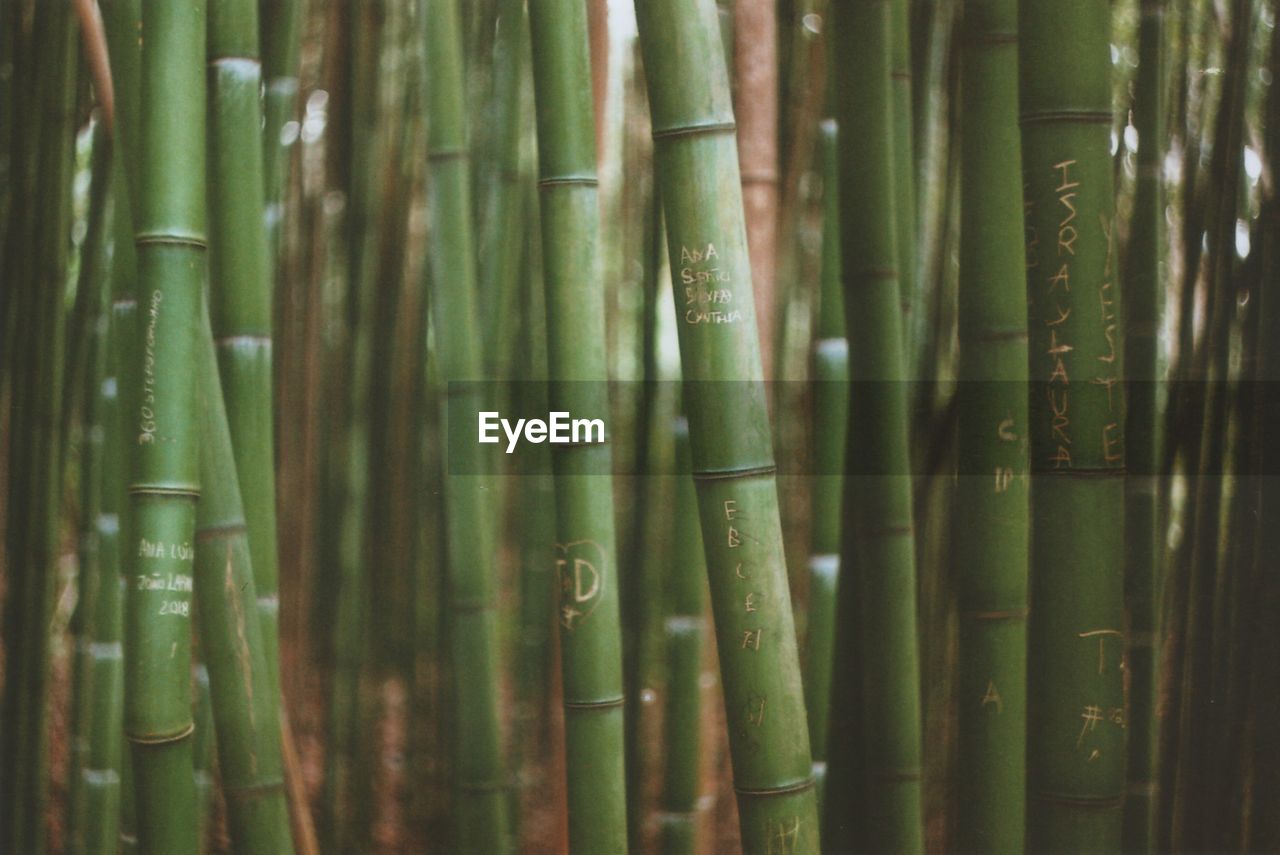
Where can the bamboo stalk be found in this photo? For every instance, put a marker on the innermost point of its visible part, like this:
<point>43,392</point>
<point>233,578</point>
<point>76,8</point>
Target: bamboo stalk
<point>479,777</point>
<point>245,708</point>
<point>279,22</point>
<point>685,627</point>
<point>830,419</point>
<point>696,162</point>
<point>240,295</point>
<point>1143,287</point>
<point>1075,709</point>
<point>170,237</point>
<point>498,264</point>
<point>91,576</point>
<point>102,770</point>
<point>876,612</point>
<point>915,306</point>
<point>1263,831</point>
<point>586,556</point>
<point>991,504</point>
<point>204,747</point>
<point>38,253</point>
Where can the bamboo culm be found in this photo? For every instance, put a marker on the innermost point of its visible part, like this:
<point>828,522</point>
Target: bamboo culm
<point>102,772</point>
<point>170,238</point>
<point>116,817</point>
<point>1142,289</point>
<point>1075,691</point>
<point>696,163</point>
<point>92,576</point>
<point>915,306</point>
<point>585,552</point>
<point>481,803</point>
<point>686,629</point>
<point>830,418</point>
<point>245,710</point>
<point>240,290</point>
<point>991,501</point>
<point>39,259</point>
<point>279,43</point>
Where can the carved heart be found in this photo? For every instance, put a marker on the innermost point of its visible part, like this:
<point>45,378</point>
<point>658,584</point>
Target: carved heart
<point>582,568</point>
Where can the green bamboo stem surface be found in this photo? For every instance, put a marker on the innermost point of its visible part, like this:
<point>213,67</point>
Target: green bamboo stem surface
<point>38,261</point>
<point>102,772</point>
<point>1075,709</point>
<point>876,612</point>
<point>94,289</point>
<point>479,776</point>
<point>585,552</point>
<point>170,237</point>
<point>915,307</point>
<point>1142,363</point>
<point>731,447</point>
<point>830,419</point>
<point>991,503</point>
<point>240,292</point>
<point>278,28</point>
<point>245,709</point>
<point>685,628</point>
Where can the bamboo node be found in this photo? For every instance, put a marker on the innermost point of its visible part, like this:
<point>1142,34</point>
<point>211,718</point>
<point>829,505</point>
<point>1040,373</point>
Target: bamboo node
<point>568,181</point>
<point>607,704</point>
<point>696,129</point>
<point>1091,117</point>
<point>732,474</point>
<point>784,790</point>
<point>163,738</point>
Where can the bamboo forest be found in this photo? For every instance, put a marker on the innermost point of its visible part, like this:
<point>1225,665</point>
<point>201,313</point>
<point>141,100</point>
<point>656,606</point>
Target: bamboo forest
<point>651,426</point>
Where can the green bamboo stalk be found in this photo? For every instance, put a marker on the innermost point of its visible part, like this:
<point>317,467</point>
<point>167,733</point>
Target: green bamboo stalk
<point>479,777</point>
<point>876,612</point>
<point>344,785</point>
<point>39,253</point>
<point>1143,288</point>
<point>1194,794</point>
<point>122,23</point>
<point>203,746</point>
<point>93,288</point>
<point>102,771</point>
<point>991,502</point>
<point>699,184</point>
<point>586,556</point>
<point>1263,833</point>
<point>500,253</point>
<point>170,238</point>
<point>245,710</point>
<point>915,308</point>
<point>278,35</point>
<point>685,629</point>
<point>538,582</point>
<point>111,823</point>
<point>830,418</point>
<point>240,296</point>
<point>1075,708</point>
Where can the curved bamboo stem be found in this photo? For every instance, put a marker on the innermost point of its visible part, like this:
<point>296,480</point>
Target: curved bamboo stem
<point>700,187</point>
